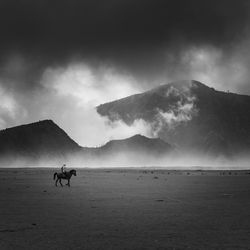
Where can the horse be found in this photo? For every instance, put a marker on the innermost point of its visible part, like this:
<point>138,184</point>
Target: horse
<point>67,175</point>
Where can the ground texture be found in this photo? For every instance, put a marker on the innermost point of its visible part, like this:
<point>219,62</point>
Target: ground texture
<point>125,209</point>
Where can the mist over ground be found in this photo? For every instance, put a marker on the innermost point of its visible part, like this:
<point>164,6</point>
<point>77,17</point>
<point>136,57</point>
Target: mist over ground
<point>174,161</point>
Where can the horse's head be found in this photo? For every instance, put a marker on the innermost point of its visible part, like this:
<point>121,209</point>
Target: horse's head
<point>73,172</point>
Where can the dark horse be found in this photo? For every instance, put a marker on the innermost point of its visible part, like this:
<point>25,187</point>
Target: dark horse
<point>67,175</point>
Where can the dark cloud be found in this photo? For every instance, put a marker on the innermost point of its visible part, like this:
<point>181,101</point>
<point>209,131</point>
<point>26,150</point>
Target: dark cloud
<point>56,29</point>
<point>132,35</point>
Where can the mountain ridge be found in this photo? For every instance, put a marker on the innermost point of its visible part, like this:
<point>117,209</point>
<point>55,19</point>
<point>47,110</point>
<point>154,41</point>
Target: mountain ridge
<point>36,139</point>
<point>45,140</point>
<point>190,115</point>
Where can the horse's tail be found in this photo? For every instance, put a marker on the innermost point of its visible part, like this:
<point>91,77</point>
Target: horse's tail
<point>55,174</point>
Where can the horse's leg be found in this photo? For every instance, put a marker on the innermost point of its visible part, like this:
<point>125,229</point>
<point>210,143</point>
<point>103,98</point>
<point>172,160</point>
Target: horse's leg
<point>68,184</point>
<point>60,180</point>
<point>56,181</point>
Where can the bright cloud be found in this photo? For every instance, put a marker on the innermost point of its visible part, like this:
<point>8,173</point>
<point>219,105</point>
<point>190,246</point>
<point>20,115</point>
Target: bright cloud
<point>89,86</point>
<point>76,90</point>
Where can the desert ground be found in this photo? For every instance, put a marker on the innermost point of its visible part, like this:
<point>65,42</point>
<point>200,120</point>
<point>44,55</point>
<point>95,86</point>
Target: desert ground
<point>125,209</point>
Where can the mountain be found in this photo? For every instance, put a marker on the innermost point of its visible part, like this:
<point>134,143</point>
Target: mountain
<point>189,115</point>
<point>36,140</point>
<point>136,144</point>
<point>136,150</point>
<point>44,140</point>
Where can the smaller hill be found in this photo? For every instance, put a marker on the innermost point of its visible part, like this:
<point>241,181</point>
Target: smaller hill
<point>137,143</point>
<point>136,150</point>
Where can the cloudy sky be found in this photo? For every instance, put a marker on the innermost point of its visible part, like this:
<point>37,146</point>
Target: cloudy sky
<point>59,59</point>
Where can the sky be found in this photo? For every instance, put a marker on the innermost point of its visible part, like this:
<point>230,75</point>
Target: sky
<point>60,59</point>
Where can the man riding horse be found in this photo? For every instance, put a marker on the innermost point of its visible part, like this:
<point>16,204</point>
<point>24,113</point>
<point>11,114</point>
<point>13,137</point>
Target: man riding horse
<point>63,169</point>
<point>64,175</point>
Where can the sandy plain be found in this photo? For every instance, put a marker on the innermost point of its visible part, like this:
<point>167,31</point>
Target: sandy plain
<point>125,209</point>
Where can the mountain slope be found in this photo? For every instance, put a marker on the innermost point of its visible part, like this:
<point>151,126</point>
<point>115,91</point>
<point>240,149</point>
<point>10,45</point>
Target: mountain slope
<point>190,115</point>
<point>34,140</point>
<point>44,140</point>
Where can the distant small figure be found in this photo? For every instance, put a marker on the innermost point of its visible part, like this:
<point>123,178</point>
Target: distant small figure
<point>63,169</point>
<point>66,176</point>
